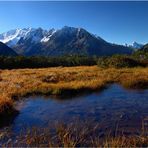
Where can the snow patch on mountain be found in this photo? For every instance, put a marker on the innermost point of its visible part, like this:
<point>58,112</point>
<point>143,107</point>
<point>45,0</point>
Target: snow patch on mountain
<point>47,38</point>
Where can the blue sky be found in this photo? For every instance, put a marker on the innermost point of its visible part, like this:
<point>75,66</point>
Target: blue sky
<point>117,22</point>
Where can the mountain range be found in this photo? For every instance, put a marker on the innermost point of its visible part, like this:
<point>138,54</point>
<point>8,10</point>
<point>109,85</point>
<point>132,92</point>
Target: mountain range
<point>64,41</point>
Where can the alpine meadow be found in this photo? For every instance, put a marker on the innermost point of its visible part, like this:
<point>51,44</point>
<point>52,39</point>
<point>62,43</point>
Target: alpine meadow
<point>73,74</point>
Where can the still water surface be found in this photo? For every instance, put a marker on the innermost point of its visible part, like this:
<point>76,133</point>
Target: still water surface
<point>110,107</point>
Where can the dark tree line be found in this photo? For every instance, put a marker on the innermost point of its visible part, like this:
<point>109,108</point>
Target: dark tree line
<point>43,62</point>
<point>139,58</point>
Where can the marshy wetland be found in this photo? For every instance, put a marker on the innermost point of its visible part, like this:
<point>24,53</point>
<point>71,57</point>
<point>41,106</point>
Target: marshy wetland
<point>103,103</point>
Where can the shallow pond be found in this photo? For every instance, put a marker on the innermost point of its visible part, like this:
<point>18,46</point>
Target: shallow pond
<point>110,107</point>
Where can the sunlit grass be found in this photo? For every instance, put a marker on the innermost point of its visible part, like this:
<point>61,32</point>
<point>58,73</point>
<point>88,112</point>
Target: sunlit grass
<point>15,84</point>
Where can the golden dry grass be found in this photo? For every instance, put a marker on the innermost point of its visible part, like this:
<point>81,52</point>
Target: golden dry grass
<point>15,84</point>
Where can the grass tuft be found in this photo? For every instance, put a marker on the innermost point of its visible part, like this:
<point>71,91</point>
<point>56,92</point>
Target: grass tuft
<point>74,135</point>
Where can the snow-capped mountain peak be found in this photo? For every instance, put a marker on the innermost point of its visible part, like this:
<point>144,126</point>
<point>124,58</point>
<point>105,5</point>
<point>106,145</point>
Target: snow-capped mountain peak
<point>12,37</point>
<point>136,45</point>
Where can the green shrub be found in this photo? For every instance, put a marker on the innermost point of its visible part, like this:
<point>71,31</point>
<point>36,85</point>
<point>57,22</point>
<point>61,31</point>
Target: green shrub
<point>118,61</point>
